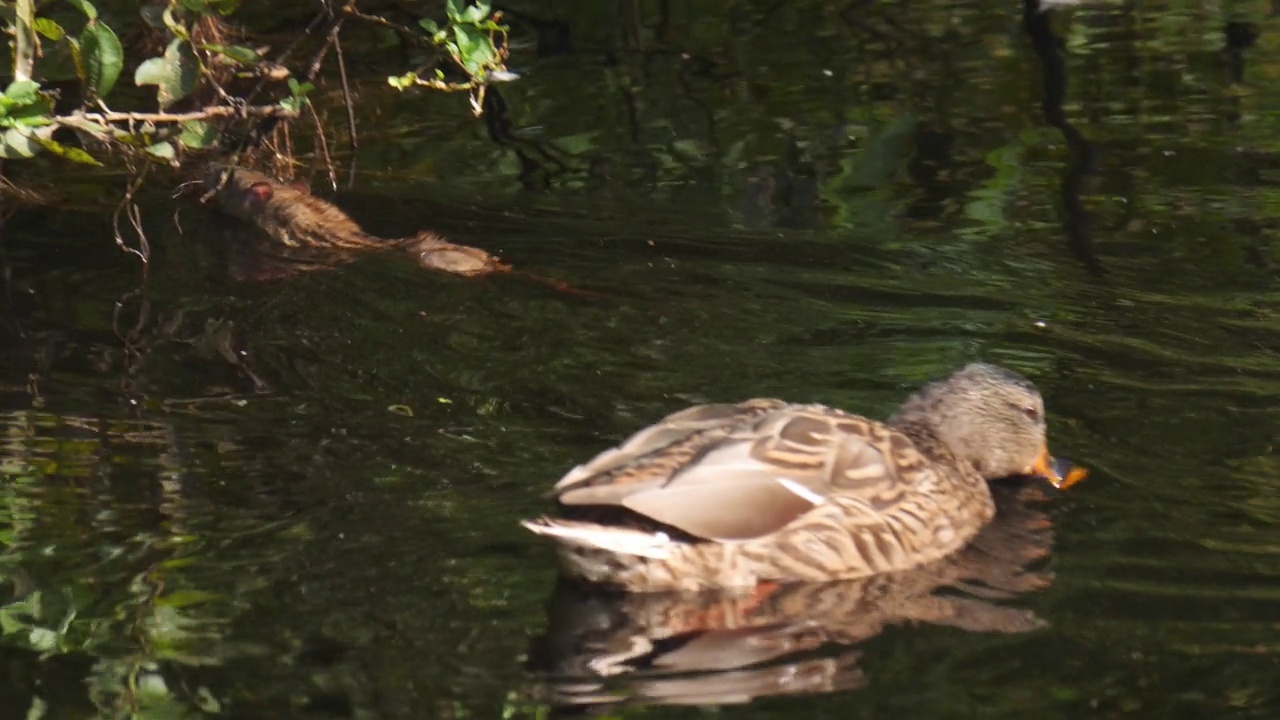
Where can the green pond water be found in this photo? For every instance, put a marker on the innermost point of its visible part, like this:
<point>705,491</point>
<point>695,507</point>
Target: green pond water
<point>300,499</point>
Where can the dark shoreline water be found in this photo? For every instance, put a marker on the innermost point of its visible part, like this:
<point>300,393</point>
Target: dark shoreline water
<point>300,499</point>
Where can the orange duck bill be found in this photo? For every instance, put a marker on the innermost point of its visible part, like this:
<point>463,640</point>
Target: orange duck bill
<point>1060,473</point>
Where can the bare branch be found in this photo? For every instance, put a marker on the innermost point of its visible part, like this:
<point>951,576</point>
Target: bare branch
<point>105,118</point>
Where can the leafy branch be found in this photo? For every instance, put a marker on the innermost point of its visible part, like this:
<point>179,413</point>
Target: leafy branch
<point>476,42</point>
<point>194,78</point>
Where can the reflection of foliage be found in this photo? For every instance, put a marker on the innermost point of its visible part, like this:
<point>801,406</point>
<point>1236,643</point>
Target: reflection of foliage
<point>131,600</point>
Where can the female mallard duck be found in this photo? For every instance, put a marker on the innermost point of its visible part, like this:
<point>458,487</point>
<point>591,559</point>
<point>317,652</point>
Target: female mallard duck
<point>732,495</point>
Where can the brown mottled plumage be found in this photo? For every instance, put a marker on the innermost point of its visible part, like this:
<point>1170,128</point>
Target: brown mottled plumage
<point>315,232</point>
<point>732,495</point>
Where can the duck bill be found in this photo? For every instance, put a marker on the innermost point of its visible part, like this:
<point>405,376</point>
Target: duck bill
<point>1059,473</point>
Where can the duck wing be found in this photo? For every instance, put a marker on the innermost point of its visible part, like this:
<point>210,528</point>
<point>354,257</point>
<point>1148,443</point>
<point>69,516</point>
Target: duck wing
<point>649,458</point>
<point>761,475</point>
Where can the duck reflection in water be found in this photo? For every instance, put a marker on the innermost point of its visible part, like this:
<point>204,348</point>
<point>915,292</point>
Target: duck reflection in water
<point>604,649</point>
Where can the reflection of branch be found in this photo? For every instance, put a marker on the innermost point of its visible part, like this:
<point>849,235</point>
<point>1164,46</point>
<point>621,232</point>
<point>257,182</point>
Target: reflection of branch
<point>79,119</point>
<point>129,208</point>
<point>1035,18</point>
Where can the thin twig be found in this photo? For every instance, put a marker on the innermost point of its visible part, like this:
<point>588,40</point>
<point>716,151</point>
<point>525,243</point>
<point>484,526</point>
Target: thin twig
<point>103,118</point>
<point>352,138</point>
<point>284,55</point>
<point>402,29</point>
<point>323,146</point>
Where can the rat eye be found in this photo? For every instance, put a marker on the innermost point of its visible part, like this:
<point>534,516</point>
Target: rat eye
<point>1032,412</point>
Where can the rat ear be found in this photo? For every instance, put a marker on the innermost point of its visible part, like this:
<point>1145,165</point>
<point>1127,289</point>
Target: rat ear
<point>300,186</point>
<point>261,191</point>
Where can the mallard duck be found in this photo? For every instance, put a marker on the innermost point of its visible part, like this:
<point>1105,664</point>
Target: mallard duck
<point>733,495</point>
<point>672,648</point>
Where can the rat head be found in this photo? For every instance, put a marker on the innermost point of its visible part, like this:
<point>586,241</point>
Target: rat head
<point>240,192</point>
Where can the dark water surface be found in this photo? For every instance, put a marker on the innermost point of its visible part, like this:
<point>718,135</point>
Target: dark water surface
<point>300,499</point>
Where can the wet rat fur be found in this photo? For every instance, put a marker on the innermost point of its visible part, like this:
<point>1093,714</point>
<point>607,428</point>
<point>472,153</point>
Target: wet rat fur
<point>299,221</point>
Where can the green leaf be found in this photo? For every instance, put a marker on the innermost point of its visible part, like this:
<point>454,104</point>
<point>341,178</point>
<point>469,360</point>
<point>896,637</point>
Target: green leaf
<point>454,9</point>
<point>162,150</point>
<point>299,95</point>
<point>174,75</point>
<point>103,58</point>
<point>18,143</point>
<point>429,26</point>
<point>474,49</point>
<point>32,116</point>
<point>402,82</point>
<point>10,622</point>
<point>68,153</point>
<point>476,13</point>
<point>22,92</point>
<point>150,72</point>
<point>50,29</point>
<point>32,111</point>
<point>239,53</point>
<point>85,7</point>
<point>197,134</point>
<point>43,639</point>
<point>195,6</point>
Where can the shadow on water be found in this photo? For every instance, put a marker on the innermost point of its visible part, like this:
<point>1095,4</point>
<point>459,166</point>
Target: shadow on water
<point>300,499</point>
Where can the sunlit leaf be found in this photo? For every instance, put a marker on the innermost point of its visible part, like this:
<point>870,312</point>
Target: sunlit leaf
<point>152,686</point>
<point>10,622</point>
<point>22,92</point>
<point>454,9</point>
<point>43,639</point>
<point>401,82</point>
<point>50,29</point>
<point>205,700</point>
<point>474,49</point>
<point>163,150</point>
<point>174,75</point>
<point>38,708</point>
<point>69,153</point>
<point>85,7</point>
<point>198,134</point>
<point>477,12</point>
<point>429,26</point>
<point>239,53</point>
<point>299,92</point>
<point>103,58</point>
<point>18,143</point>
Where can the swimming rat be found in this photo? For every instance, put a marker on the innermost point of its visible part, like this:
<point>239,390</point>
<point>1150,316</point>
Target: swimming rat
<point>300,221</point>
